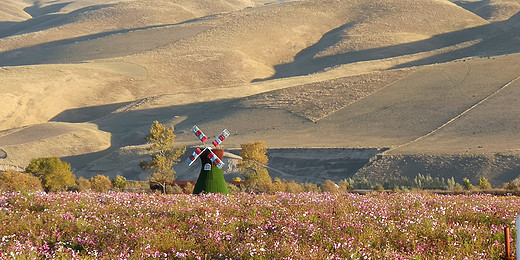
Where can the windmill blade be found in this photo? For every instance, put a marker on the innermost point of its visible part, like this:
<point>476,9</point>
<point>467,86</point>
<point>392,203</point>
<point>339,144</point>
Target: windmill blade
<point>194,156</point>
<point>196,130</point>
<point>221,138</point>
<point>215,160</point>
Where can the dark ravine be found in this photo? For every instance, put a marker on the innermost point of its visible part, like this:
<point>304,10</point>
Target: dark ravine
<point>497,168</point>
<point>315,165</point>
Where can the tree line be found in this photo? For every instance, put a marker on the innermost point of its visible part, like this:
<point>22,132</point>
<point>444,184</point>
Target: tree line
<point>51,174</point>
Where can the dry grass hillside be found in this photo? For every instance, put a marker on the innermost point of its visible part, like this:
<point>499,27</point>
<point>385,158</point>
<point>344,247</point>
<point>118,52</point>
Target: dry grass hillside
<point>491,10</point>
<point>85,79</point>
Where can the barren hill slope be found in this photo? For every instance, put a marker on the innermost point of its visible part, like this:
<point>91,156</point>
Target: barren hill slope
<point>11,11</point>
<point>104,19</point>
<point>315,74</point>
<point>492,10</point>
<point>226,49</point>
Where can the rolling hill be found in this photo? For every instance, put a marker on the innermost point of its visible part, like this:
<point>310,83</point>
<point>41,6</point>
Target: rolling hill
<point>434,79</point>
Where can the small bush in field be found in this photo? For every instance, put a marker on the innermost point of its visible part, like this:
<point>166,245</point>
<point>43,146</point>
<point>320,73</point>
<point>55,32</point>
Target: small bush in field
<point>17,181</point>
<point>329,186</point>
<point>173,189</point>
<point>83,184</point>
<point>100,183</point>
<point>294,187</point>
<point>311,187</point>
<point>233,189</point>
<point>189,188</point>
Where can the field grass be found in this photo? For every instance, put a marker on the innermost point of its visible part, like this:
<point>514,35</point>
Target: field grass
<point>254,226</point>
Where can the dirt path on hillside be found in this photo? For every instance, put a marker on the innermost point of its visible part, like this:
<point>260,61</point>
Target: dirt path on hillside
<point>456,117</point>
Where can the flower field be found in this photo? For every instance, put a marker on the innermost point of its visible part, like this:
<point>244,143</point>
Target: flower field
<point>254,226</point>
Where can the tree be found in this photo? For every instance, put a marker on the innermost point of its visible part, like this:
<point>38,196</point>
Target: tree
<point>451,184</point>
<point>253,156</point>
<point>17,181</point>
<point>233,188</point>
<point>54,174</point>
<point>467,184</point>
<point>164,155</point>
<point>100,183</point>
<point>346,185</point>
<point>119,182</point>
<point>362,184</point>
<point>173,189</point>
<point>294,187</point>
<point>254,160</point>
<point>83,184</point>
<point>259,181</point>
<point>330,187</point>
<point>311,187</point>
<point>379,187</point>
<point>279,185</point>
<point>484,184</point>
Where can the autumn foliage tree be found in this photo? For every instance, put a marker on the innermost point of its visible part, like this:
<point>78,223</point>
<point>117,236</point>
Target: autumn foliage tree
<point>254,160</point>
<point>100,183</point>
<point>54,174</point>
<point>164,155</point>
<point>83,184</point>
<point>119,182</point>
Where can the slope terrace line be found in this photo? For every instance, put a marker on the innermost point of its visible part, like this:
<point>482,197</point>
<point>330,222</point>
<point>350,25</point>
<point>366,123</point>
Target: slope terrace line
<point>453,119</point>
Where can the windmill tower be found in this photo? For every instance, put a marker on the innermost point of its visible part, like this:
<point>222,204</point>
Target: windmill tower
<point>211,178</point>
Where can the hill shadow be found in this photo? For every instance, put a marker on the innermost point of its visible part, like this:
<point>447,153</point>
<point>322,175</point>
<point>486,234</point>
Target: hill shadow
<point>497,34</point>
<point>130,127</point>
<point>471,6</point>
<point>57,52</point>
<point>507,42</point>
<point>329,39</point>
<point>87,114</point>
<point>38,10</point>
<point>46,19</point>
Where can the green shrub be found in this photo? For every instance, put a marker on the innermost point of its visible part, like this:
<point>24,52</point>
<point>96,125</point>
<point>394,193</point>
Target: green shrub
<point>346,185</point>
<point>362,184</point>
<point>259,181</point>
<point>279,185</point>
<point>379,187</point>
<point>119,182</point>
<point>467,184</point>
<point>484,184</point>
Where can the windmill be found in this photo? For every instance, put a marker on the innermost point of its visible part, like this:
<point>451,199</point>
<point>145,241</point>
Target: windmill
<point>211,178</point>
